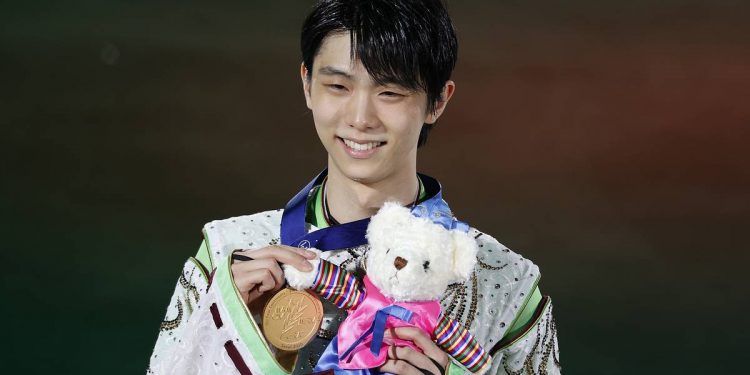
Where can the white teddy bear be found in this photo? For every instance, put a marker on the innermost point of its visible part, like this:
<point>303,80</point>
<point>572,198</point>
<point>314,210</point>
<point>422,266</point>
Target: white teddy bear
<point>414,255</point>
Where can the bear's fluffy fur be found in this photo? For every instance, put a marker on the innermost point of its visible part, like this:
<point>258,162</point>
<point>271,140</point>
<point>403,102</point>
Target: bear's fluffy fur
<point>434,256</point>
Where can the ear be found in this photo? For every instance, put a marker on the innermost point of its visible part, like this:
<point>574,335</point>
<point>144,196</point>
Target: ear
<point>305,84</point>
<point>464,254</point>
<point>445,96</point>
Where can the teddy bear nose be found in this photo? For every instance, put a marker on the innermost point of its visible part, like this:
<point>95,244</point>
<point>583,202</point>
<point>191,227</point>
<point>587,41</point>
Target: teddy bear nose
<point>400,263</point>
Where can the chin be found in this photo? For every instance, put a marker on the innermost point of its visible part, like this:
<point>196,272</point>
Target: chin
<point>360,173</point>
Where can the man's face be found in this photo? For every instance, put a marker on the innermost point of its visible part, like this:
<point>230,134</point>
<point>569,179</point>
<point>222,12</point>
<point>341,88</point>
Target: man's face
<point>370,131</point>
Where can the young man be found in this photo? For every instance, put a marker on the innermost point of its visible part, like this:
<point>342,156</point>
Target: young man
<point>376,76</point>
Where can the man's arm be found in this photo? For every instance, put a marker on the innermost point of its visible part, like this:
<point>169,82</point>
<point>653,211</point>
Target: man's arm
<point>534,349</point>
<point>192,285</point>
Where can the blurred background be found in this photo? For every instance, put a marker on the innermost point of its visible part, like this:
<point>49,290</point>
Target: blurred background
<point>607,141</point>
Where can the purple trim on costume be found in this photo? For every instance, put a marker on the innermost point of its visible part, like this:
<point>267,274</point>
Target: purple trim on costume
<point>215,315</point>
<point>236,358</point>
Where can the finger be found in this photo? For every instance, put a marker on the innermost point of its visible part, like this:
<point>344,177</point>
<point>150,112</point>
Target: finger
<point>248,280</point>
<point>399,367</point>
<point>415,358</point>
<point>283,254</point>
<point>256,264</point>
<point>239,257</point>
<point>422,341</point>
<point>304,252</point>
<point>309,254</point>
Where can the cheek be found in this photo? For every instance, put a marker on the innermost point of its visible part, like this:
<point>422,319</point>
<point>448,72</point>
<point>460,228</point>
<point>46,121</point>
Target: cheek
<point>406,126</point>
<point>324,108</point>
<point>408,121</point>
<point>324,117</point>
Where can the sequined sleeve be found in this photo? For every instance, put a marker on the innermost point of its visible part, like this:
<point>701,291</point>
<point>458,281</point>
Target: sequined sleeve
<point>338,286</point>
<point>192,285</point>
<point>534,351</point>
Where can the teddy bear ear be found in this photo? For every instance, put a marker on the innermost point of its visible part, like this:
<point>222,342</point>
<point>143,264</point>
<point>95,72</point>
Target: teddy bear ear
<point>464,254</point>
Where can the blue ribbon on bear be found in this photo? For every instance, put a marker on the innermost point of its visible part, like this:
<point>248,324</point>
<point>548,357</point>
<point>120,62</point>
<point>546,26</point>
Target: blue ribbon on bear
<point>437,211</point>
<point>377,329</point>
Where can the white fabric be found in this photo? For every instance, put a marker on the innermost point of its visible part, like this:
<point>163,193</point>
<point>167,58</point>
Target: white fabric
<point>502,281</point>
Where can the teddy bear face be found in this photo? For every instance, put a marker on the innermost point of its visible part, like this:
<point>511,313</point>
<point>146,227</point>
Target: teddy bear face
<point>410,258</point>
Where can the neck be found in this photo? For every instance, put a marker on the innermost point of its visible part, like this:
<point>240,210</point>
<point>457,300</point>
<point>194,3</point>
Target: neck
<point>350,200</point>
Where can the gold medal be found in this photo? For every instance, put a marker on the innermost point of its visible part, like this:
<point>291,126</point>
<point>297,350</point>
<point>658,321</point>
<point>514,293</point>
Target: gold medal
<point>291,318</point>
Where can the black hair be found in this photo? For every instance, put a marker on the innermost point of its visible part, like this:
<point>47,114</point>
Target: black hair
<point>410,43</point>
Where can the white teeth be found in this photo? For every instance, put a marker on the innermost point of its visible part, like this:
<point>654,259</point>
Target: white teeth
<point>361,146</point>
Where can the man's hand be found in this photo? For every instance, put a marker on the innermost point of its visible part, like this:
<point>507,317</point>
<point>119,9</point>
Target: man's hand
<point>407,361</point>
<point>263,272</point>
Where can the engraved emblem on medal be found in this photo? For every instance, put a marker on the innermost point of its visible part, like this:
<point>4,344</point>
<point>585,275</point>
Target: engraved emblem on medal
<point>291,319</point>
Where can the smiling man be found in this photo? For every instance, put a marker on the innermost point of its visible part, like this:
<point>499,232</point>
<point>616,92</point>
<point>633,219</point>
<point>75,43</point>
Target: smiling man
<point>370,129</point>
<point>376,77</point>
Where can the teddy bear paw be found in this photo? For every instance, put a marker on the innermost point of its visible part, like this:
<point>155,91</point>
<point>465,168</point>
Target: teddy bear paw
<point>302,279</point>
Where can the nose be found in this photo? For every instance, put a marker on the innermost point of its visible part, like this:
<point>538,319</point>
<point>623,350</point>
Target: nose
<point>361,112</point>
<point>400,263</point>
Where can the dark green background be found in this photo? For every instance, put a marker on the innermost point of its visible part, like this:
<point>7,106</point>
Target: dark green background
<point>607,141</point>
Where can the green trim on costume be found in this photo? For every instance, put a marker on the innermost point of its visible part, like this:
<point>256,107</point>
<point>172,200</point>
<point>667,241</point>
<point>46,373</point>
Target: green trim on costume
<point>318,219</point>
<point>504,345</point>
<point>204,256</point>
<point>523,308</point>
<point>250,333</point>
<point>527,314</point>
<point>455,368</point>
<point>211,264</point>
<point>200,267</point>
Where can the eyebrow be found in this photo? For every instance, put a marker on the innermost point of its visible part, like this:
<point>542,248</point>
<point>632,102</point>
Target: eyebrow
<point>331,71</point>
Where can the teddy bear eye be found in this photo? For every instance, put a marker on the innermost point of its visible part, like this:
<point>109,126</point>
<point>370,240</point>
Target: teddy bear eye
<point>426,265</point>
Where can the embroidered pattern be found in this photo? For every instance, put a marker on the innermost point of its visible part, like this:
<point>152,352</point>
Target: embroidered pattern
<point>486,266</point>
<point>474,299</point>
<point>190,289</point>
<point>548,349</point>
<point>168,325</point>
<point>457,294</point>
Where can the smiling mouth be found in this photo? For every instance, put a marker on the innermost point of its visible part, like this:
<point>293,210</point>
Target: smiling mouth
<point>359,149</point>
<point>365,146</point>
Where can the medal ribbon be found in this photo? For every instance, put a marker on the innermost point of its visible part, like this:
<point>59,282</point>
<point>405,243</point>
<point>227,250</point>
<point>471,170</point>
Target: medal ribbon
<point>336,237</point>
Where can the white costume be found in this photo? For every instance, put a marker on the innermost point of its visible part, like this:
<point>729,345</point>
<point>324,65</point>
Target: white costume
<point>209,330</point>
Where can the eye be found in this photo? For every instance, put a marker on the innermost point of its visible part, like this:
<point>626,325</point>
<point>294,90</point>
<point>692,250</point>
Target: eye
<point>387,250</point>
<point>391,94</point>
<point>335,87</point>
<point>426,265</point>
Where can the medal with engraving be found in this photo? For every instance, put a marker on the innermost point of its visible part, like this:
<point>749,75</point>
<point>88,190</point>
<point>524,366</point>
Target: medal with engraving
<point>291,319</point>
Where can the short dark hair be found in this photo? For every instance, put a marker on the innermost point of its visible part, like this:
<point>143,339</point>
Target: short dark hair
<point>406,42</point>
